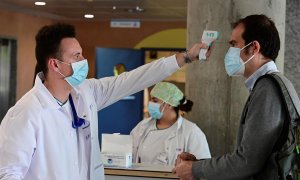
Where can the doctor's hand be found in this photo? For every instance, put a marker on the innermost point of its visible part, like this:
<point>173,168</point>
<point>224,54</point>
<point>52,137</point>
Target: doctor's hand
<point>193,54</point>
<point>183,170</point>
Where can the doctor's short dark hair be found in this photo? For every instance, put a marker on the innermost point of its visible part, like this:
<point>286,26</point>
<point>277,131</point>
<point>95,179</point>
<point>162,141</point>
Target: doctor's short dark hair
<point>262,29</point>
<point>185,105</point>
<point>48,41</point>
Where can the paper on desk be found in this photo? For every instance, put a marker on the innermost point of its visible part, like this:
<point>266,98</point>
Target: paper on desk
<point>116,143</point>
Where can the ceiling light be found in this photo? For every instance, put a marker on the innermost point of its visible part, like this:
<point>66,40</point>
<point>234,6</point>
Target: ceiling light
<point>89,16</point>
<point>114,7</point>
<point>139,9</point>
<point>40,3</point>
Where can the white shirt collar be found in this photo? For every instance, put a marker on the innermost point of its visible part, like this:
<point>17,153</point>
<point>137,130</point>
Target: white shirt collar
<point>269,67</point>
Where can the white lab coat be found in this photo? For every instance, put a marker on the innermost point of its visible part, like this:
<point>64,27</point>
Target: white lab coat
<point>187,137</point>
<point>37,141</point>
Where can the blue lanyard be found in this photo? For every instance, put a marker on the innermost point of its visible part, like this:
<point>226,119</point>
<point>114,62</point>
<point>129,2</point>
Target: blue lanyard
<point>77,121</point>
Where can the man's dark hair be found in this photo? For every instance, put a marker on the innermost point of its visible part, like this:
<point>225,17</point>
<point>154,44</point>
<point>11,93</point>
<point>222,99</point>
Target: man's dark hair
<point>262,29</point>
<point>47,43</point>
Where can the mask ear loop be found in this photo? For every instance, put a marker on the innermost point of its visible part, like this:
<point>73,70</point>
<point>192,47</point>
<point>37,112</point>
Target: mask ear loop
<point>252,55</point>
<point>64,62</point>
<point>58,70</point>
<point>165,103</point>
<point>249,59</point>
<point>246,45</point>
<point>163,106</point>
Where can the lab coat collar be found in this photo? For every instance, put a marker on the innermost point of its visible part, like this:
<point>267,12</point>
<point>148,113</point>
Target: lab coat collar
<point>179,125</point>
<point>46,98</point>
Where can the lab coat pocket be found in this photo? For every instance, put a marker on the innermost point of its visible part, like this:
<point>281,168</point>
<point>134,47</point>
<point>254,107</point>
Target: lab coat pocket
<point>162,158</point>
<point>84,133</point>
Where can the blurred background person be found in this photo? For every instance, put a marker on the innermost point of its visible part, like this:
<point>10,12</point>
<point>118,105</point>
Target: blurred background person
<point>165,134</point>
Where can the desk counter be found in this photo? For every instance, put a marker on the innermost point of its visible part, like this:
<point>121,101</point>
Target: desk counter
<point>140,171</point>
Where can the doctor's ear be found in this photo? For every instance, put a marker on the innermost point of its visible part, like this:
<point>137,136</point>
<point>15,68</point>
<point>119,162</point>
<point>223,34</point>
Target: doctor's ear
<point>52,64</point>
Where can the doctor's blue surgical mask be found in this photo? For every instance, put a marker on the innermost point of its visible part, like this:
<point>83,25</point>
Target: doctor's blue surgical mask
<point>154,110</point>
<point>234,65</point>
<point>80,71</point>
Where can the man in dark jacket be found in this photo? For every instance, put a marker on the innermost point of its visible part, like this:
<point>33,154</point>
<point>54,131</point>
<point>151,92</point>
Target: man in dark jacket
<point>254,47</point>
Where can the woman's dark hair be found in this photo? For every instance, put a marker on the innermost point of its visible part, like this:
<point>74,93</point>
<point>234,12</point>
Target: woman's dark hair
<point>262,29</point>
<point>48,41</point>
<point>185,105</point>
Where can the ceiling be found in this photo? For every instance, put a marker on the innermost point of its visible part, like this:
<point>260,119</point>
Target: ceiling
<point>154,10</point>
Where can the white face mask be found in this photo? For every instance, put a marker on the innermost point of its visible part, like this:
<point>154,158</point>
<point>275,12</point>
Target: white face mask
<point>234,65</point>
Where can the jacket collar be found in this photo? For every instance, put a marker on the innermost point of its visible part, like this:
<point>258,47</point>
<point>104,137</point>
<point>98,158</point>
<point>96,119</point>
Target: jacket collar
<point>267,68</point>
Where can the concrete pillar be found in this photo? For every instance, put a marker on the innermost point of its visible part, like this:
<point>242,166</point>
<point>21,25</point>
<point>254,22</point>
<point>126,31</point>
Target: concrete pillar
<point>219,99</point>
<point>292,35</point>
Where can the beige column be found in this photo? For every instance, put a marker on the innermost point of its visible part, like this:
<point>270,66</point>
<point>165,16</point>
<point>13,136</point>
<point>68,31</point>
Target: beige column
<point>219,99</point>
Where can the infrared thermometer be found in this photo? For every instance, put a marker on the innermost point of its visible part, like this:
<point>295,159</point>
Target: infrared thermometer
<point>208,37</point>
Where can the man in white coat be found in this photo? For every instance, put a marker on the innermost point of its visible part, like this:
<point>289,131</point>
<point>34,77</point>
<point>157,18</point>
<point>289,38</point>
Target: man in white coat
<point>52,131</point>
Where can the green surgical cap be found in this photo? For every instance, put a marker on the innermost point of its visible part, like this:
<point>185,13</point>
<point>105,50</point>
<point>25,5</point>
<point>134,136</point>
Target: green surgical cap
<point>168,93</point>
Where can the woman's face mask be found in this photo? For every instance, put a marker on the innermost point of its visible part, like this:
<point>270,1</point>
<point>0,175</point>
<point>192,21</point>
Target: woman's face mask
<point>234,65</point>
<point>154,110</point>
<point>80,71</point>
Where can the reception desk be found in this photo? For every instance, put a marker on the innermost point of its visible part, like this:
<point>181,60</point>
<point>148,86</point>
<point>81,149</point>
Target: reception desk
<point>139,171</point>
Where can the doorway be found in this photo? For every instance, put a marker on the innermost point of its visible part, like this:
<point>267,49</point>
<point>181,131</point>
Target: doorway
<point>8,68</point>
<point>177,78</point>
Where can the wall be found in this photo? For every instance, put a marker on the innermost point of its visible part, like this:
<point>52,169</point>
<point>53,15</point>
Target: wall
<point>90,34</point>
<point>99,34</point>
<point>170,38</point>
<point>292,35</point>
<point>22,28</point>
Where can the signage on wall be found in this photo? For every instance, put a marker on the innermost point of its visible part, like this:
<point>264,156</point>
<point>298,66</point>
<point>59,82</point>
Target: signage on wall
<point>125,24</point>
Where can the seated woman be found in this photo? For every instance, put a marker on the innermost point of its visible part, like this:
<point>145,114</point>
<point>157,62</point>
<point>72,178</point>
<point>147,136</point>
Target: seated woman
<point>160,138</point>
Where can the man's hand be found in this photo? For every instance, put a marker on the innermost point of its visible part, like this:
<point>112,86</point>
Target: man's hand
<point>187,156</point>
<point>184,170</point>
<point>183,166</point>
<point>184,156</point>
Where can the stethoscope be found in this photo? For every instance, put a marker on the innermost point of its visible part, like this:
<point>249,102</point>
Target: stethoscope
<point>77,121</point>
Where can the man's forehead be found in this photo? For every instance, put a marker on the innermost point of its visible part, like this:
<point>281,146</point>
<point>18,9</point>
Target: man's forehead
<point>69,42</point>
<point>70,45</point>
<point>236,34</point>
